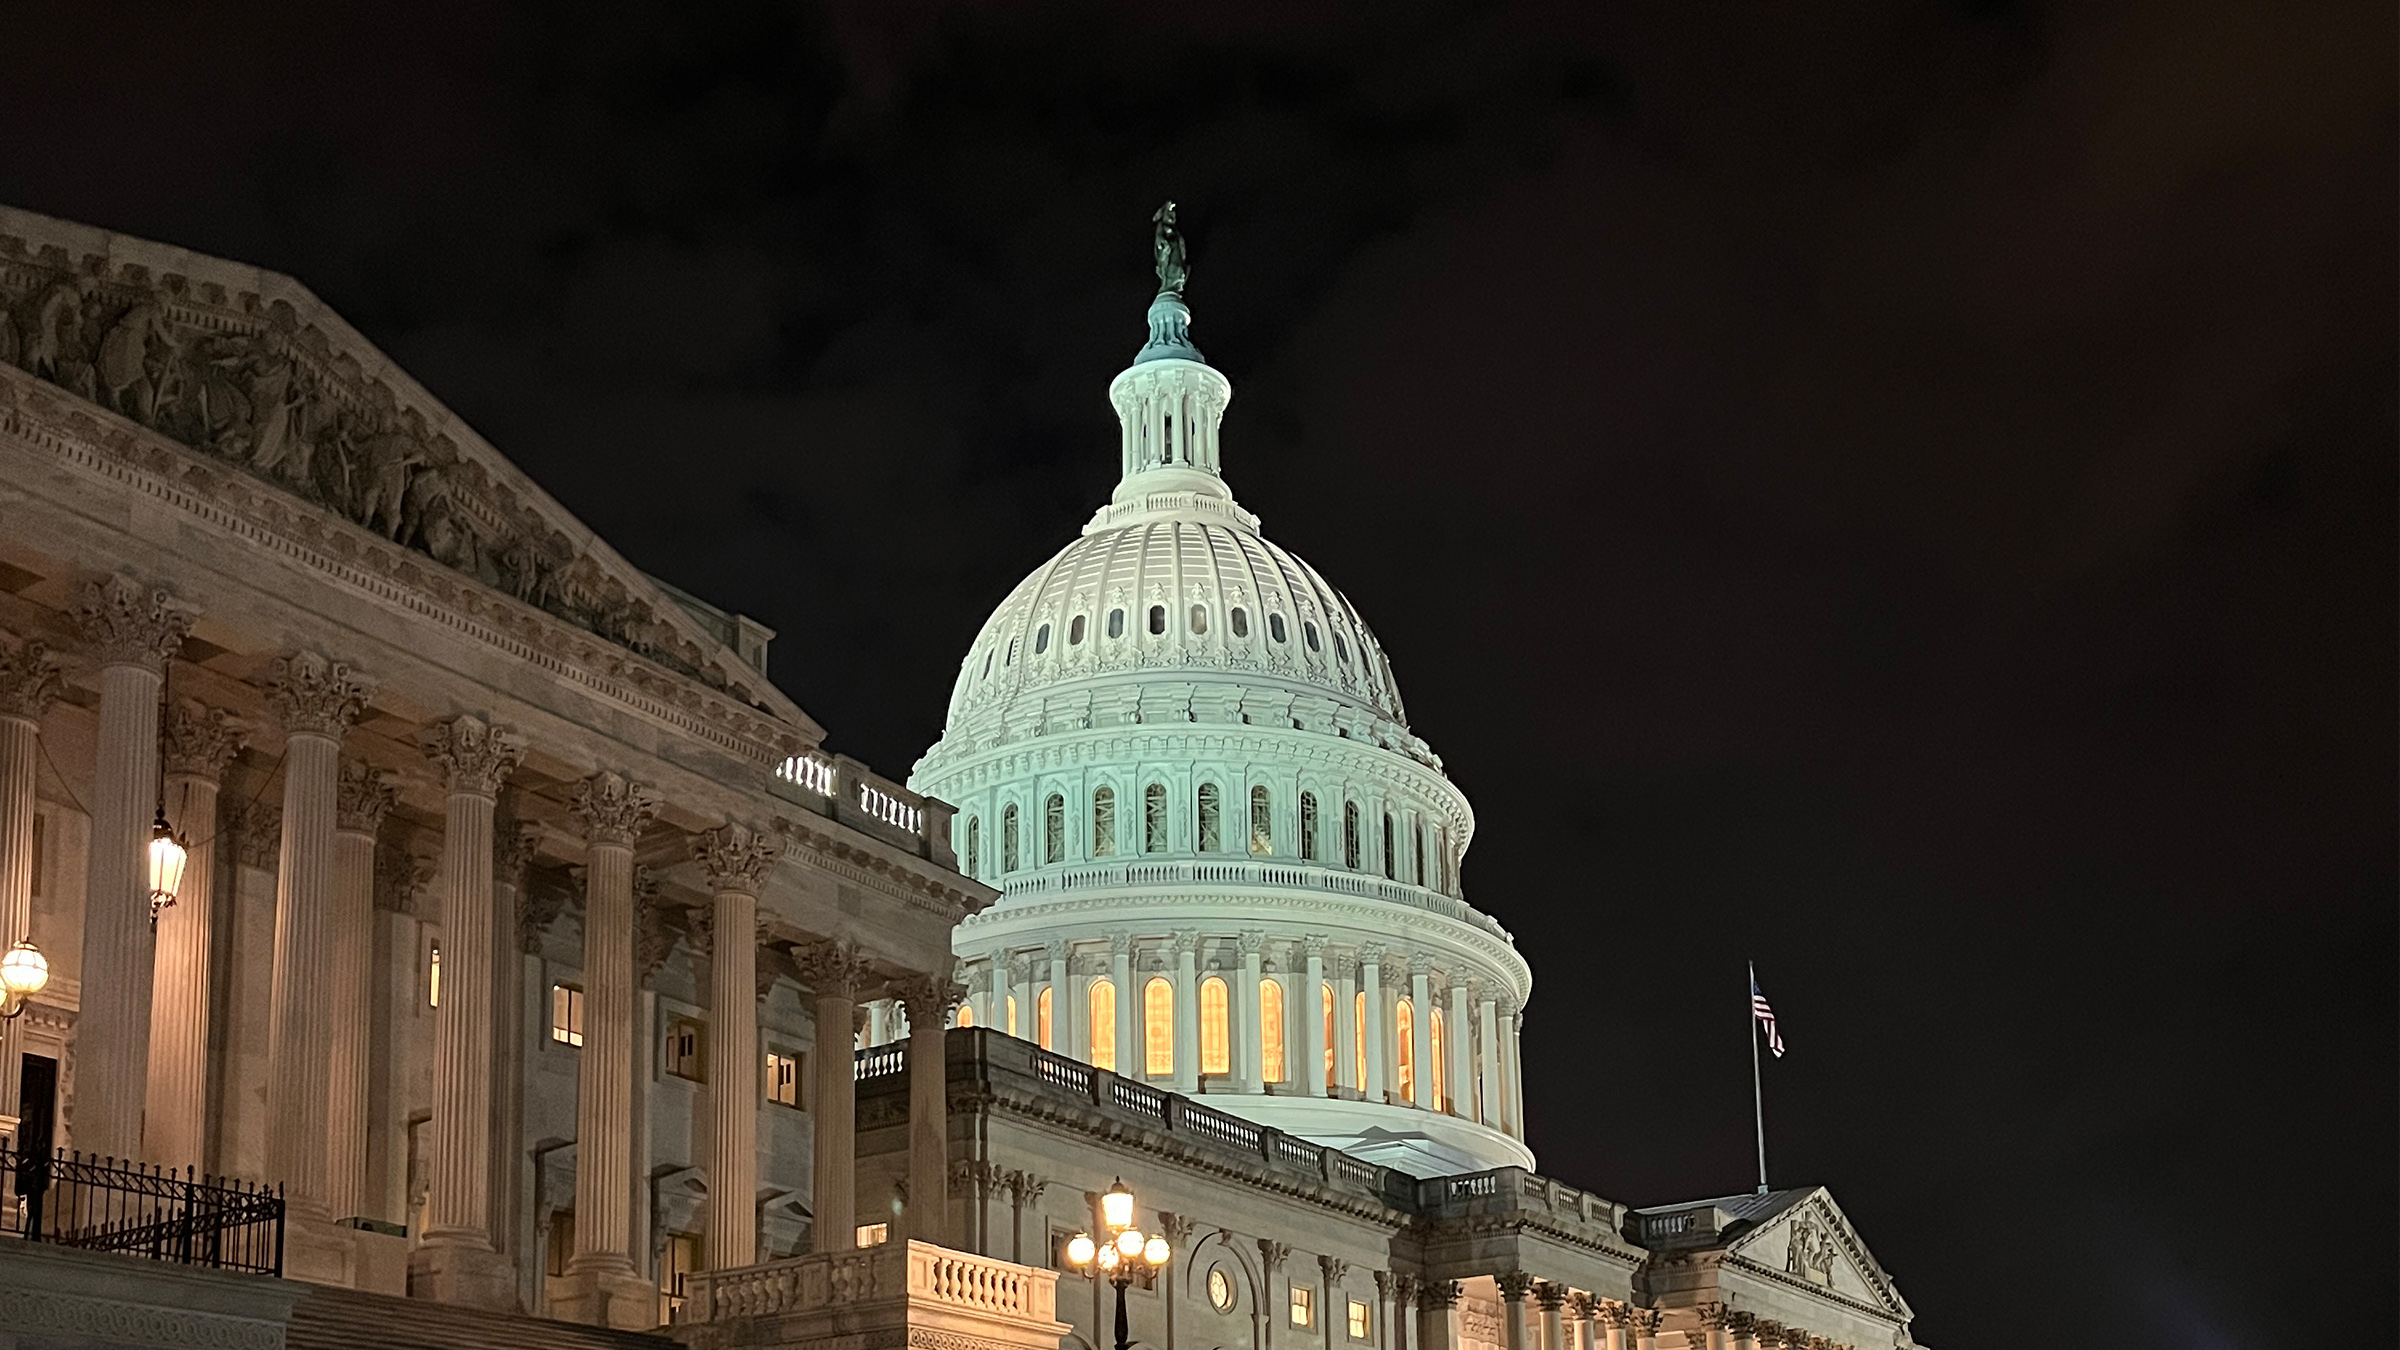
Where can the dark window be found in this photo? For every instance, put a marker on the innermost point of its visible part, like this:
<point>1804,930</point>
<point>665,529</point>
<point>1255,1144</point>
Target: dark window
<point>1309,631</point>
<point>1041,639</point>
<point>1199,618</point>
<point>1008,839</point>
<point>1308,827</point>
<point>1075,632</point>
<point>1116,623</point>
<point>1275,628</point>
<point>1341,649</point>
<point>1158,620</point>
<point>1212,825</point>
<point>1390,863</point>
<point>1154,818</point>
<point>1054,829</point>
<point>1241,621</point>
<point>1349,834</point>
<point>1012,652</point>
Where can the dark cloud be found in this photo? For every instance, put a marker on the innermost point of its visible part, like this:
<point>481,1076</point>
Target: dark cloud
<point>1901,492</point>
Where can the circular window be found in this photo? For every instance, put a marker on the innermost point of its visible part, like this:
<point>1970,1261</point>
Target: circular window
<point>1220,1289</point>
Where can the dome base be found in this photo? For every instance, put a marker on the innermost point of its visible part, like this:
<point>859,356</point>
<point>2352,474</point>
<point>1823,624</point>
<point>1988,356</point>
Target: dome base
<point>1420,1143</point>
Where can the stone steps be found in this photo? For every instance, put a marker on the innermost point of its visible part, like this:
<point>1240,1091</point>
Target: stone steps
<point>346,1319</point>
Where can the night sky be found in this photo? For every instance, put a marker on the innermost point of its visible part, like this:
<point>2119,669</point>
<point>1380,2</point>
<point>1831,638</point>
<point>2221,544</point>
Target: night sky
<point>1901,492</point>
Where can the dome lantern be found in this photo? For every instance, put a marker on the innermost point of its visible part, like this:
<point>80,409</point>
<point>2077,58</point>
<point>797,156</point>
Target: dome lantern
<point>1169,403</point>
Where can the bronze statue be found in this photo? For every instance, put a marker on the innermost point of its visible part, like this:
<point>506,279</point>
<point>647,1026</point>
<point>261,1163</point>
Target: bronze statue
<point>1166,248</point>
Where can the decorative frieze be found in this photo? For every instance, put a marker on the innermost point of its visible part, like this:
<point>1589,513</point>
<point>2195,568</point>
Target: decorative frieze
<point>129,624</point>
<point>314,695</point>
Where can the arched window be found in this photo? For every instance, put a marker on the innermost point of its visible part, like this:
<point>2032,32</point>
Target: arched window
<point>1349,835</point>
<point>974,847</point>
<point>1104,822</point>
<point>1012,653</point>
<point>1270,1030</point>
<point>1054,829</point>
<point>1391,868</point>
<point>1212,824</point>
<point>1116,623</point>
<point>1308,630</point>
<point>1041,639</point>
<point>1011,1009</point>
<point>966,1014</point>
<point>1216,1032</point>
<point>1418,839</point>
<point>1441,1093</point>
<point>1262,821</point>
<point>1043,1017</point>
<point>1158,1027</point>
<point>1102,996</point>
<point>1332,1056</point>
<point>1008,838</point>
<point>1308,827</point>
<point>1200,619</point>
<point>1154,818</point>
<point>1075,631</point>
<point>1240,618</point>
<point>1441,858</point>
<point>1341,649</point>
<point>1358,1040</point>
<point>1275,627</point>
<point>1404,1028</point>
<point>1158,620</point>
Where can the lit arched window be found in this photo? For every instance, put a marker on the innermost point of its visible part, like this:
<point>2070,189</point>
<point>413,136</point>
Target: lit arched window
<point>1154,818</point>
<point>1358,1040</point>
<point>1199,618</point>
<point>1103,1004</point>
<point>974,847</point>
<point>1404,1028</point>
<point>1270,1030</point>
<point>1216,1034</point>
<point>1441,1095</point>
<point>1042,1018</point>
<point>1212,825</point>
<point>1158,1027</point>
<point>1008,839</point>
<point>966,1014</point>
<point>1308,827</point>
<point>1262,821</point>
<point>1391,864</point>
<point>1012,1016</point>
<point>1041,639</point>
<point>1349,834</point>
<point>1054,829</point>
<point>1158,620</point>
<point>1325,996</point>
<point>1104,822</point>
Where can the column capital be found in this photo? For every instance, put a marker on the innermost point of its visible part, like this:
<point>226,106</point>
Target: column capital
<point>1583,1305</point>
<point>832,969</point>
<point>1549,1295</point>
<point>258,835</point>
<point>361,797</point>
<point>615,809</point>
<point>537,908</point>
<point>1335,1269</point>
<point>1273,1254</point>
<point>1420,964</point>
<point>1055,949</point>
<point>130,624</point>
<point>314,695</point>
<point>928,998</point>
<point>1186,940</point>
<point>197,741</point>
<point>735,857</point>
<point>513,846</point>
<point>1120,943</point>
<point>1514,1285</point>
<point>29,681</point>
<point>1438,1295</point>
<point>1371,954</point>
<point>1312,946</point>
<point>474,756</point>
<point>1252,940</point>
<point>654,928</point>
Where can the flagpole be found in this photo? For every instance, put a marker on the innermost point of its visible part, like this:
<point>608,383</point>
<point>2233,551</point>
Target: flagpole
<point>1758,1100</point>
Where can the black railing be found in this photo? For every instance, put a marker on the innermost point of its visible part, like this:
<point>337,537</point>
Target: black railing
<point>112,1206</point>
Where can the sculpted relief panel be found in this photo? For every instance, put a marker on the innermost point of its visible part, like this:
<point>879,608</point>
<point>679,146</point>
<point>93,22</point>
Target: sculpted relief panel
<point>247,383</point>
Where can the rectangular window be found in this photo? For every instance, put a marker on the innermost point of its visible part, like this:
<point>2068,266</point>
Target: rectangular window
<point>1361,1327</point>
<point>686,1040</point>
<point>1304,1305</point>
<point>783,1078</point>
<point>433,976</point>
<point>566,1014</point>
<point>560,1243</point>
<point>873,1234</point>
<point>681,1258</point>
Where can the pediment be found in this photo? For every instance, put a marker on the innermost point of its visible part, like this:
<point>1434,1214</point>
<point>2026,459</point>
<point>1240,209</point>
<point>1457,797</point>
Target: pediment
<point>1810,1241</point>
<point>252,370</point>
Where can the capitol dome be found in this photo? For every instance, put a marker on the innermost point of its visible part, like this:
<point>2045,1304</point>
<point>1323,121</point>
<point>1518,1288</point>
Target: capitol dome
<point>1227,866</point>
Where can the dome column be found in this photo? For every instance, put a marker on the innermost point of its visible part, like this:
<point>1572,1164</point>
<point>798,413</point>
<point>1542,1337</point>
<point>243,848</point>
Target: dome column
<point>1460,1069</point>
<point>1129,1011</point>
<point>1420,1029</point>
<point>1487,1057</point>
<point>1187,1010</point>
<point>1311,1012</point>
<point>1345,1027</point>
<point>1062,1003</point>
<point>1370,980</point>
<point>1504,1048</point>
<point>1250,1050</point>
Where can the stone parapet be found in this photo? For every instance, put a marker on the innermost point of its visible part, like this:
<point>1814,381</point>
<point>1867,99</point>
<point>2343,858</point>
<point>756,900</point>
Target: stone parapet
<point>896,1294</point>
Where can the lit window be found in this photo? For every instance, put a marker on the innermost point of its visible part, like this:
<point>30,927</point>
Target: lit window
<point>1349,835</point>
<point>1216,1040</point>
<point>783,1079</point>
<point>1104,822</point>
<point>974,846</point>
<point>1240,618</point>
<point>1440,1043</point>
<point>684,1042</point>
<point>1304,1305</point>
<point>1404,1029</point>
<point>1158,620</point>
<point>1308,827</point>
<point>1331,1045</point>
<point>1361,1328</point>
<point>433,975</point>
<point>1158,1027</point>
<point>1275,627</point>
<point>1008,838</point>
<point>1154,818</point>
<point>1116,623</point>
<point>1212,825</point>
<point>874,1234</point>
<point>1041,639</point>
<point>1391,867</point>
<point>1358,1040</point>
<point>1102,998</point>
<point>1054,829</point>
<point>1270,1030</point>
<point>966,1015</point>
<point>566,1014</point>
<point>1220,1289</point>
<point>1200,619</point>
<point>1012,1014</point>
<point>1075,631</point>
<point>1042,1018</point>
<point>1262,821</point>
<point>681,1258</point>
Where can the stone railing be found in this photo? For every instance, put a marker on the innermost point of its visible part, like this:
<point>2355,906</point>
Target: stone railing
<point>916,1285</point>
<point>1513,1190</point>
<point>1118,876</point>
<point>850,792</point>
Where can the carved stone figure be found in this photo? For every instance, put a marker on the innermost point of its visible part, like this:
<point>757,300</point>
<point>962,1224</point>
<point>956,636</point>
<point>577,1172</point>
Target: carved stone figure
<point>1166,249</point>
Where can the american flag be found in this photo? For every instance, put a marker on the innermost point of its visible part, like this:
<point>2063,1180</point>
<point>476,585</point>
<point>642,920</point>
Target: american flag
<point>1760,1012</point>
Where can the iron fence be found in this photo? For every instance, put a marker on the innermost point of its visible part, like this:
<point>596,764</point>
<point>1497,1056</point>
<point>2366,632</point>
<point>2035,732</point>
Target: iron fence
<point>110,1205</point>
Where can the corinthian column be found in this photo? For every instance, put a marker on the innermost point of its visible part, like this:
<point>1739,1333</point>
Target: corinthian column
<point>736,861</point>
<point>1420,1032</point>
<point>834,973</point>
<point>455,1263</point>
<point>361,798</point>
<point>929,999</point>
<point>199,742</point>
<point>28,683</point>
<point>607,1291</point>
<point>132,629</point>
<point>315,699</point>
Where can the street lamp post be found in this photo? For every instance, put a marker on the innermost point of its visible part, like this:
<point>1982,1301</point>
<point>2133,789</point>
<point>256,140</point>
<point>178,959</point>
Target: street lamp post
<point>1122,1253</point>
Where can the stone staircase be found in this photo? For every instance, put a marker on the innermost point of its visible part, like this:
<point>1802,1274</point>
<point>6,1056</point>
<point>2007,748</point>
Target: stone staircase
<point>345,1319</point>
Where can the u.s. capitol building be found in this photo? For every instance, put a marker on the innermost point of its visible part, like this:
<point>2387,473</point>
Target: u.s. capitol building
<point>539,959</point>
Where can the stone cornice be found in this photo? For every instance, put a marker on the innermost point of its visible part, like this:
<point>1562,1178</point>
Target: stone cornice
<point>825,848</point>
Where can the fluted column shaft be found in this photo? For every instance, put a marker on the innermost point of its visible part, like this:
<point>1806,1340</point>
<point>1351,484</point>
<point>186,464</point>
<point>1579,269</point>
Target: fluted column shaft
<point>1487,1059</point>
<point>1512,1041</point>
<point>736,861</point>
<point>359,805</point>
<point>28,685</point>
<point>1345,1029</point>
<point>1513,1287</point>
<point>604,1088</point>
<point>176,1129</point>
<point>1458,1051</point>
<point>1249,1047</point>
<point>1550,1300</point>
<point>1504,1046</point>
<point>1370,967</point>
<point>929,999</point>
<point>112,1028</point>
<point>833,974</point>
<point>1129,1008</point>
<point>1309,1006</point>
<point>1187,1012</point>
<point>1420,1028</point>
